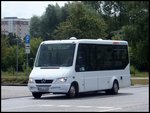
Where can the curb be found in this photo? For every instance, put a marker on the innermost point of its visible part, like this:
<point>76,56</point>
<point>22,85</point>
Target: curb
<point>14,85</point>
<point>138,85</point>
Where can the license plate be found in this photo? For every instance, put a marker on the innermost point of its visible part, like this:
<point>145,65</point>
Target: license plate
<point>43,89</point>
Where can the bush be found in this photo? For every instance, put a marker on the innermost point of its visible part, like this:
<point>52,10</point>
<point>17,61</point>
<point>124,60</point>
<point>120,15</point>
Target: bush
<point>133,70</point>
<point>11,70</point>
<point>17,78</point>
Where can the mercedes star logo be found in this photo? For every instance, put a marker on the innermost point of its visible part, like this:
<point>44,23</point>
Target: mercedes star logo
<point>43,81</point>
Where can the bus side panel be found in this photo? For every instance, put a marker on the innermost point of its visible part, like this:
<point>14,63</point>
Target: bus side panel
<point>87,81</point>
<point>90,79</point>
<point>104,80</point>
<point>124,78</point>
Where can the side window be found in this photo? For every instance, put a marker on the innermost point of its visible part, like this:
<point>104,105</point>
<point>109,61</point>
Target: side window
<point>108,61</point>
<point>81,59</point>
<point>104,57</point>
<point>86,58</point>
<point>93,57</point>
<point>99,57</point>
<point>120,56</point>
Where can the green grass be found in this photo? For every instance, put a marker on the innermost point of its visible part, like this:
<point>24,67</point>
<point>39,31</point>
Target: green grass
<point>140,81</point>
<point>16,78</point>
<point>140,74</point>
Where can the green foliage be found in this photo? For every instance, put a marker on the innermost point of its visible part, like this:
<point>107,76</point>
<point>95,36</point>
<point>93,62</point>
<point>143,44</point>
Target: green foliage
<point>44,25</point>
<point>133,70</point>
<point>10,59</point>
<point>17,78</point>
<point>11,70</point>
<point>9,54</point>
<point>94,4</point>
<point>34,26</point>
<point>136,33</point>
<point>139,81</point>
<point>4,51</point>
<point>34,44</point>
<point>83,22</point>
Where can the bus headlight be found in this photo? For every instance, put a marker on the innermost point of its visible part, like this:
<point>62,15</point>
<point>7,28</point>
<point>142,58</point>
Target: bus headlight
<point>61,80</point>
<point>31,80</point>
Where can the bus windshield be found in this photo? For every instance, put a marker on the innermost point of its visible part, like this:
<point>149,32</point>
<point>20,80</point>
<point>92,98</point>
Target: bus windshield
<point>59,55</point>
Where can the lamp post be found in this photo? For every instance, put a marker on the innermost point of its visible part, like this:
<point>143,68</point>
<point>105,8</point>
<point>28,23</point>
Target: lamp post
<point>27,67</point>
<point>17,57</point>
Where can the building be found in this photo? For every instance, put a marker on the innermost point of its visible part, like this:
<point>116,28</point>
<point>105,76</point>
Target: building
<point>16,26</point>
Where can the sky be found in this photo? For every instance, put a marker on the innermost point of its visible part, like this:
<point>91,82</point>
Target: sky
<point>26,9</point>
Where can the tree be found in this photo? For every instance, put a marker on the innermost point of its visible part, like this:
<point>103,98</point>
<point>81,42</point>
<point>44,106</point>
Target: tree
<point>82,22</point>
<point>35,26</point>
<point>95,5</point>
<point>49,20</point>
<point>4,51</point>
<point>136,33</point>
<point>34,44</point>
<point>44,25</point>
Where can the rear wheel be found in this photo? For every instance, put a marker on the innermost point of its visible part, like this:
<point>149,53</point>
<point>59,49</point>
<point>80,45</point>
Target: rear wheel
<point>36,95</point>
<point>114,89</point>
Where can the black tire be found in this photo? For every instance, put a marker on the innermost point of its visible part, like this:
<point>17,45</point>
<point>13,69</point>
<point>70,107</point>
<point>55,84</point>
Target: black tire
<point>37,95</point>
<point>115,88</point>
<point>72,92</point>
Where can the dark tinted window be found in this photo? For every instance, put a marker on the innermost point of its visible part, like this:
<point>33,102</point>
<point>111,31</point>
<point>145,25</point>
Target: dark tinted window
<point>93,57</point>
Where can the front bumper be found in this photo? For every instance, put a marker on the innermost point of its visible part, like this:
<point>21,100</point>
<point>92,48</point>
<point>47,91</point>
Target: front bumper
<point>52,88</point>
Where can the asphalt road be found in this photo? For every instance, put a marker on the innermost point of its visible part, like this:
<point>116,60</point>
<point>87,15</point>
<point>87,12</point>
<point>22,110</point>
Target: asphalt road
<point>14,91</point>
<point>134,99</point>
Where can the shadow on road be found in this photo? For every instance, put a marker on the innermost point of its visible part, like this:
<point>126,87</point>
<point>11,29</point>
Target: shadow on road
<point>82,96</point>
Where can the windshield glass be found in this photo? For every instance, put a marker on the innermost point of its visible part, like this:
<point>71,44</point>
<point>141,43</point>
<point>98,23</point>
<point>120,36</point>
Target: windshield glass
<point>60,55</point>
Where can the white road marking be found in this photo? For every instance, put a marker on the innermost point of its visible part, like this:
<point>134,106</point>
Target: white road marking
<point>46,105</point>
<point>105,107</point>
<point>101,108</point>
<point>112,109</point>
<point>63,105</point>
<point>84,106</point>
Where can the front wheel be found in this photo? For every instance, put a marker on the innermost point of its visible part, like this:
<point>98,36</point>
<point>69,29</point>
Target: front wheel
<point>36,95</point>
<point>72,92</point>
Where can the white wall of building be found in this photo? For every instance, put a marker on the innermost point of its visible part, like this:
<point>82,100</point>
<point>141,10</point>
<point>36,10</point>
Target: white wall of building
<point>15,25</point>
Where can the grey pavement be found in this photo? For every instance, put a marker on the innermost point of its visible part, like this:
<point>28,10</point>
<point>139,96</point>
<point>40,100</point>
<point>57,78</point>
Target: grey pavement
<point>14,91</point>
<point>23,91</point>
<point>132,99</point>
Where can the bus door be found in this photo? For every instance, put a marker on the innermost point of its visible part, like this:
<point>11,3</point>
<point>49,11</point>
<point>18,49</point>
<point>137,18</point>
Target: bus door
<point>85,67</point>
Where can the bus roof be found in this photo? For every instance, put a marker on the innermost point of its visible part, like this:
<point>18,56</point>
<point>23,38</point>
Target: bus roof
<point>90,41</point>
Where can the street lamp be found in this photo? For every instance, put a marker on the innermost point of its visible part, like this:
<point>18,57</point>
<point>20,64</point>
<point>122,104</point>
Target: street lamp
<point>17,56</point>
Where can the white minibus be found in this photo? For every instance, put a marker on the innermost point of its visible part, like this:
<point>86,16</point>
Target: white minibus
<point>80,65</point>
